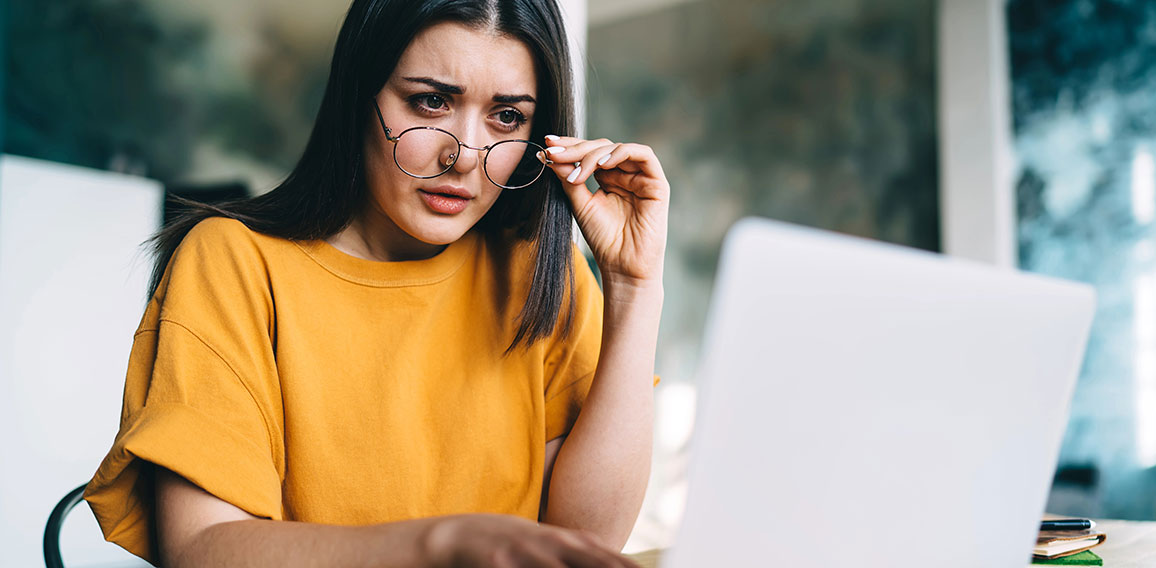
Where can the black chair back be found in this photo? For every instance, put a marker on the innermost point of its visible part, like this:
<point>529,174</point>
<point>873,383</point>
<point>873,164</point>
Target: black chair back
<point>52,557</point>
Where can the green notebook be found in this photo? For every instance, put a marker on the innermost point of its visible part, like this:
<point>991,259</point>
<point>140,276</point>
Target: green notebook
<point>1085,558</point>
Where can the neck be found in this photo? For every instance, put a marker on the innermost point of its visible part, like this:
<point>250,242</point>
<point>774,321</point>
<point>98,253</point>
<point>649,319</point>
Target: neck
<point>374,237</point>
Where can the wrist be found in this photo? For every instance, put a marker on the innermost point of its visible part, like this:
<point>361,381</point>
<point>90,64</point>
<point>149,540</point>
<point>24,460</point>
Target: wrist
<point>627,289</point>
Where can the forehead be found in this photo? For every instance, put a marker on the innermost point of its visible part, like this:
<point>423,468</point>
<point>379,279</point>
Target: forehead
<point>482,61</point>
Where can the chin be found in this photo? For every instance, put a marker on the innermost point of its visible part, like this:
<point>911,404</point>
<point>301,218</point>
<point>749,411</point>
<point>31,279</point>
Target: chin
<point>440,233</point>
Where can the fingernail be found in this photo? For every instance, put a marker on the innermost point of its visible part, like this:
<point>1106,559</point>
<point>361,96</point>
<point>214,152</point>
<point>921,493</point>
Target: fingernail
<point>573,175</point>
<point>603,159</point>
<point>552,138</point>
<point>541,157</point>
<point>555,150</point>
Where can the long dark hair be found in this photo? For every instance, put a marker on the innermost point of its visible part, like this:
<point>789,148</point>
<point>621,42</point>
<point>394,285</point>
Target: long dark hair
<point>326,189</point>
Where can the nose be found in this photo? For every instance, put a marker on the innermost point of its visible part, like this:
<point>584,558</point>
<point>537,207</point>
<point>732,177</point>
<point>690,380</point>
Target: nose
<point>470,155</point>
<point>468,160</point>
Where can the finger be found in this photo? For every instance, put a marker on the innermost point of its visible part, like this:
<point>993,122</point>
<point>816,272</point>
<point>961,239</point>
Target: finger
<point>578,194</point>
<point>531,556</point>
<point>589,164</point>
<point>613,557</point>
<point>555,140</point>
<point>587,546</point>
<point>635,158</point>
<point>585,556</point>
<point>633,184</point>
<point>574,151</point>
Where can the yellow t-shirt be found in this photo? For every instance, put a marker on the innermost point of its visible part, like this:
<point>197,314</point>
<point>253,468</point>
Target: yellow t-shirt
<point>298,382</point>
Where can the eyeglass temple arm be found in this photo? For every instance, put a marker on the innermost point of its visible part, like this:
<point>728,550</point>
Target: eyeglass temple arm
<point>388,135</point>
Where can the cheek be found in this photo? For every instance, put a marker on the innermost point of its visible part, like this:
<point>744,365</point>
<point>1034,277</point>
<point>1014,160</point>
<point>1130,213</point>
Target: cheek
<point>383,177</point>
<point>490,195</point>
<point>379,159</point>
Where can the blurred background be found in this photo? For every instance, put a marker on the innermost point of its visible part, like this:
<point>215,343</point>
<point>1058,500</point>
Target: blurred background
<point>1019,132</point>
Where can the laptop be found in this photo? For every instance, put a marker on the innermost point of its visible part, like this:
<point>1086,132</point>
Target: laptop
<point>870,405</point>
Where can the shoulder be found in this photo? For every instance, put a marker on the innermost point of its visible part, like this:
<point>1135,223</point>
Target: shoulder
<point>220,254</point>
<point>220,234</point>
<point>229,243</point>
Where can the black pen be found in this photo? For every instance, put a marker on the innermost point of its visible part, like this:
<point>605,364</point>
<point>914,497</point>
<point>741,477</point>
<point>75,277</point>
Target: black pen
<point>1067,525</point>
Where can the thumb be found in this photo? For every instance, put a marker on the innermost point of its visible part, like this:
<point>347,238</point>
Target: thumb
<point>576,190</point>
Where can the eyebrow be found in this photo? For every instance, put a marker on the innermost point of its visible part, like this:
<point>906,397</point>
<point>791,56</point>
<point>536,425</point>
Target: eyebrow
<point>510,99</point>
<point>458,90</point>
<point>440,86</point>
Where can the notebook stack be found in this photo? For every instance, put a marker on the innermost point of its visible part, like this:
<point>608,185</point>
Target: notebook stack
<point>1068,543</point>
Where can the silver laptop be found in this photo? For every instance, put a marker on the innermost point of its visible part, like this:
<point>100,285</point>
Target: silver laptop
<point>871,405</point>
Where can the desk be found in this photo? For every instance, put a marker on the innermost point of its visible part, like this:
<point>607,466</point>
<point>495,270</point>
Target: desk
<point>1130,544</point>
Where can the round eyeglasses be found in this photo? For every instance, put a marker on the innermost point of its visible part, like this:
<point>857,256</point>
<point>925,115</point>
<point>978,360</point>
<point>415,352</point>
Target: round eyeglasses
<point>426,152</point>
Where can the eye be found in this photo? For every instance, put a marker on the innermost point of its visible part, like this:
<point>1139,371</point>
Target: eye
<point>429,102</point>
<point>509,116</point>
<point>510,119</point>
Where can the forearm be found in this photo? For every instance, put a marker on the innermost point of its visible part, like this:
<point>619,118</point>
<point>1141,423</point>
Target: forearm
<point>477,539</point>
<point>600,475</point>
<point>252,543</point>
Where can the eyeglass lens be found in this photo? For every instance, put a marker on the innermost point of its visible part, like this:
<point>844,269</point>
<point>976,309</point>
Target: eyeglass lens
<point>427,153</point>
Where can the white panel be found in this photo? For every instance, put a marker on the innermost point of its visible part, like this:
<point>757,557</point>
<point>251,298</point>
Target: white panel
<point>72,290</point>
<point>574,16</point>
<point>977,200</point>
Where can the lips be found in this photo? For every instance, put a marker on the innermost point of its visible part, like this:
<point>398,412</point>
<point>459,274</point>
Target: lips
<point>446,200</point>
<point>449,191</point>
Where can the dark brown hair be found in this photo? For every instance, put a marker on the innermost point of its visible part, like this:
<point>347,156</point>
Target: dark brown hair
<point>326,189</point>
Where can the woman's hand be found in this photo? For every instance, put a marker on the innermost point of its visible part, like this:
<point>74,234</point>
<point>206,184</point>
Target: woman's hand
<point>503,541</point>
<point>625,220</point>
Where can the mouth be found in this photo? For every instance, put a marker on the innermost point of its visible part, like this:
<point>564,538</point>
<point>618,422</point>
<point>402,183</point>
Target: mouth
<point>448,191</point>
<point>446,200</point>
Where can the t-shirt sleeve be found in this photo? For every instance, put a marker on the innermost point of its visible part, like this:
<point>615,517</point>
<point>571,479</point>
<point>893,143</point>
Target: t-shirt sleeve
<point>572,359</point>
<point>201,395</point>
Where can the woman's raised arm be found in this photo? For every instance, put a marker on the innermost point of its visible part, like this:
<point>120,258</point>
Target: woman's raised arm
<point>600,475</point>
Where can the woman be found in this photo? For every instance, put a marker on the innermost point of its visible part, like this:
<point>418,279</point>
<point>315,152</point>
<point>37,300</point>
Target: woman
<point>391,348</point>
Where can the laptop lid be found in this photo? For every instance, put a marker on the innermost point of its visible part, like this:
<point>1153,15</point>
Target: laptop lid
<point>871,405</point>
